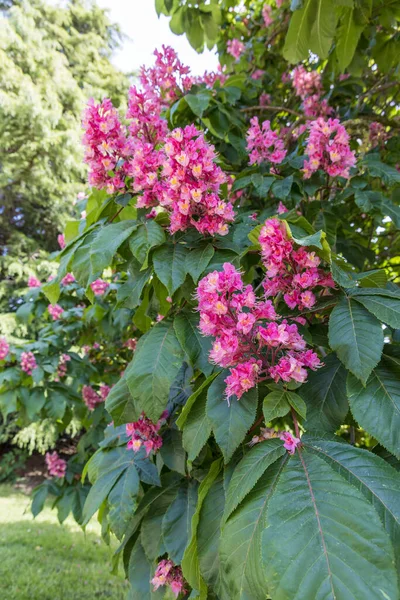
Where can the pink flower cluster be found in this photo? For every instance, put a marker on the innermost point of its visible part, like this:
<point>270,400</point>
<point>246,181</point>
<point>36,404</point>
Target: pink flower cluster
<point>235,48</point>
<point>131,344</point>
<point>56,466</point>
<point>167,574</point>
<point>69,278</point>
<point>33,282</point>
<point>291,272</point>
<point>306,83</point>
<point>99,287</point>
<point>290,441</point>
<point>106,144</point>
<point>266,15</point>
<point>144,432</point>
<point>55,311</point>
<point>61,240</point>
<point>104,391</point>
<point>168,78</point>
<point>90,397</point>
<point>264,144</point>
<point>377,134</point>
<point>308,86</point>
<point>192,184</point>
<point>62,366</point>
<point>328,149</point>
<point>28,362</point>
<point>210,78</point>
<point>250,338</point>
<point>4,348</point>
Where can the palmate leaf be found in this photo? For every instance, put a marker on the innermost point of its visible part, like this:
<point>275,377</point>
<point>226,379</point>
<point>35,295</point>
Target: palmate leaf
<point>170,265</point>
<point>147,236</point>
<point>376,407</point>
<point>385,308</point>
<point>323,28</point>
<point>325,396</point>
<point>106,243</point>
<point>299,32</point>
<point>120,404</point>
<point>196,346</point>
<point>177,521</point>
<point>197,428</point>
<point>242,573</point>
<point>230,422</point>
<point>156,362</point>
<point>347,38</point>
<point>356,336</point>
<point>323,539</point>
<point>123,501</point>
<point>375,478</point>
<point>151,528</point>
<point>140,572</point>
<point>209,533</point>
<point>249,471</point>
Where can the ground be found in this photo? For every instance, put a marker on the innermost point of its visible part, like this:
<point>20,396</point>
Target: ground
<point>42,560</point>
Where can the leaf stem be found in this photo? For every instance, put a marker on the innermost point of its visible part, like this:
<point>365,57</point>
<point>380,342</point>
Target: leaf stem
<point>295,422</point>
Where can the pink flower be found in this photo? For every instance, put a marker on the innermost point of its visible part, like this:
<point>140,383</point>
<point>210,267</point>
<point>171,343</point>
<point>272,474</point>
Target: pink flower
<point>104,391</point>
<point>81,196</point>
<point>167,574</point>
<point>281,209</point>
<point>131,344</point>
<point>264,144</point>
<point>235,48</point>
<point>328,149</point>
<point>55,311</point>
<point>28,362</point>
<point>56,466</point>
<point>168,78</point>
<point>266,14</point>
<point>4,348</point>
<point>90,397</point>
<point>313,106</point>
<point>377,134</point>
<point>99,287</point>
<point>291,442</point>
<point>61,240</point>
<point>62,366</point>
<point>306,83</point>
<point>69,278</point>
<point>242,378</point>
<point>33,282</point>
<point>144,432</point>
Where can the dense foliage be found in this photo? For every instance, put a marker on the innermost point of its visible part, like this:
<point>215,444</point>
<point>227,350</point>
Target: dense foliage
<point>252,216</point>
<point>45,83</point>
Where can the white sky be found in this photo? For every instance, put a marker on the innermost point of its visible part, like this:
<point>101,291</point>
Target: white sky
<point>138,20</point>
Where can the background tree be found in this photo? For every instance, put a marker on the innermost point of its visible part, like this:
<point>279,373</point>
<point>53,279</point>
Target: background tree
<point>52,59</point>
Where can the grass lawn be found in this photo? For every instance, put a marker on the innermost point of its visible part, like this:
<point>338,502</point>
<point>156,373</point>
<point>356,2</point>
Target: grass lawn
<point>42,560</point>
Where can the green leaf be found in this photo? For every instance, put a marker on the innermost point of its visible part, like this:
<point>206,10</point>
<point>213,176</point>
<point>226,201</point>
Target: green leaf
<point>52,291</point>
<point>297,403</point>
<point>56,404</point>
<point>172,451</point>
<point>356,336</point>
<point>376,278</point>
<point>275,405</point>
<point>170,265</point>
<point>323,538</point>
<point>110,470</point>
<point>106,243</point>
<point>147,236</point>
<point>8,402</point>
<point>391,210</point>
<point>120,404</point>
<point>123,501</point>
<point>375,478</point>
<point>385,309</point>
<point>243,573</point>
<point>388,174</point>
<point>299,33</point>
<point>197,428</point>
<point>323,28</point>
<point>249,470</point>
<point>140,572</point>
<point>348,35</point>
<point>150,531</point>
<point>197,261</point>
<point>39,496</point>
<point>325,396</point>
<point>128,295</point>
<point>195,345</point>
<point>281,188</point>
<point>198,103</point>
<point>230,423</point>
<point>190,561</point>
<point>376,407</point>
<point>209,533</point>
<point>156,362</point>
<point>192,399</point>
<point>177,522</point>
<point>343,277</point>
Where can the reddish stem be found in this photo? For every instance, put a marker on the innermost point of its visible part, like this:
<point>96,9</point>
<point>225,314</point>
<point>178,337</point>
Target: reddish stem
<point>295,422</point>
